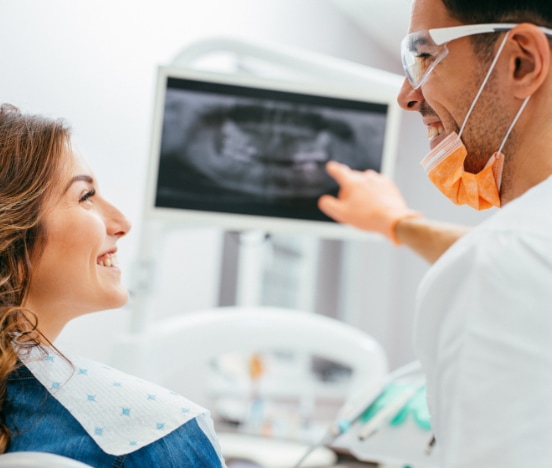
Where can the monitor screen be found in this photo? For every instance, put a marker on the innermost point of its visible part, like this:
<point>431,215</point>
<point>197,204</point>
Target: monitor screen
<point>246,153</point>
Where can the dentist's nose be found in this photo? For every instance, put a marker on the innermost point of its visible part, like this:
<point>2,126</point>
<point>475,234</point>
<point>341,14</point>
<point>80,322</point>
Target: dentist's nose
<point>410,99</point>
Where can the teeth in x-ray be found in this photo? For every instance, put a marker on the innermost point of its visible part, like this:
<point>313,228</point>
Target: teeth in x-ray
<point>259,148</point>
<point>275,146</point>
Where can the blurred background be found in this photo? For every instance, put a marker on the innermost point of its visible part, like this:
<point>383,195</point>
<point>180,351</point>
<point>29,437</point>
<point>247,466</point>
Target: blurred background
<point>93,62</point>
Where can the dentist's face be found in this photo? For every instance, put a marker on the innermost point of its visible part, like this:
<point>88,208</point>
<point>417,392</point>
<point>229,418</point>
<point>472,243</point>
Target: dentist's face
<point>76,272</point>
<point>445,97</point>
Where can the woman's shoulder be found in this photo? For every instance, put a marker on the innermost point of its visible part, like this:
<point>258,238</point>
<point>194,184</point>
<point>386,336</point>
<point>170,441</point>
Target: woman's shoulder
<point>188,445</point>
<point>39,422</point>
<point>121,413</point>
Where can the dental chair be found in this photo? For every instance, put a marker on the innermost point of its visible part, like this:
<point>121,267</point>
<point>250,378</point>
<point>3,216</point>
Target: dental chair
<point>38,460</point>
<point>183,342</point>
<point>195,340</point>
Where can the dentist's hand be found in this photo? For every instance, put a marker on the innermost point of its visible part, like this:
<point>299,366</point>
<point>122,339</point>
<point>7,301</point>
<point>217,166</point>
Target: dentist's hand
<point>366,200</point>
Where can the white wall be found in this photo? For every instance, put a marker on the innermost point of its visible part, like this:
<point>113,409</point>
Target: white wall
<point>93,62</point>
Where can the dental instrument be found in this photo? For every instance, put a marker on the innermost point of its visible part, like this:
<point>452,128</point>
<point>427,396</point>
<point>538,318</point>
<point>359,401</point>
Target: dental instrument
<point>372,425</point>
<point>354,409</point>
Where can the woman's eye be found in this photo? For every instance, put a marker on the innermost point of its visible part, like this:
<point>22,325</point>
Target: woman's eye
<point>86,196</point>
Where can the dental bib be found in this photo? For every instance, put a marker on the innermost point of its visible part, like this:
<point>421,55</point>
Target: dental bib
<point>120,412</point>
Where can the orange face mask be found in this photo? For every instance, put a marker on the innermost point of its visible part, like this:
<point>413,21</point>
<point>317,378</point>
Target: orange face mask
<point>445,164</point>
<point>445,168</point>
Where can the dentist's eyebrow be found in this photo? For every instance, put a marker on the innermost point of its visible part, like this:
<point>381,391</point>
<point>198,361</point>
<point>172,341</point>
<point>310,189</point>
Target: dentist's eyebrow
<point>78,178</point>
<point>415,43</point>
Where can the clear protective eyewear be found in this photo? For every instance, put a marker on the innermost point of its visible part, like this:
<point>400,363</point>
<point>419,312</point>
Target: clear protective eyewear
<point>421,51</point>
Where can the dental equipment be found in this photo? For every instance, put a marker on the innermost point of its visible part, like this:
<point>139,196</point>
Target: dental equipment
<point>354,409</point>
<point>373,424</point>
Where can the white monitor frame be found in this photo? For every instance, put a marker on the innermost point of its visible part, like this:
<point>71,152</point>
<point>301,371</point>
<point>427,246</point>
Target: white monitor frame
<point>370,93</point>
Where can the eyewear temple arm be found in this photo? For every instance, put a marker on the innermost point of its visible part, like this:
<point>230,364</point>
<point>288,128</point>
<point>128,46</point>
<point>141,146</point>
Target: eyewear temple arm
<point>442,35</point>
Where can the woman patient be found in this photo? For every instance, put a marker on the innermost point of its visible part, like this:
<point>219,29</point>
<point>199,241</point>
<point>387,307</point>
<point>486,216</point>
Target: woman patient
<point>58,260</point>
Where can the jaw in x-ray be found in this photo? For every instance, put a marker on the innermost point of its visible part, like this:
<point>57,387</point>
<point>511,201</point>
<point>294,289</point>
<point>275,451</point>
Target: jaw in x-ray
<point>261,149</point>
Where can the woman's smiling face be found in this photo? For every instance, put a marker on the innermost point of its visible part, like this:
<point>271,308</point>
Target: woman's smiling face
<point>76,271</point>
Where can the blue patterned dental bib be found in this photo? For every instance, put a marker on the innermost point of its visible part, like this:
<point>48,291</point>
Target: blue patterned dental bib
<point>121,413</point>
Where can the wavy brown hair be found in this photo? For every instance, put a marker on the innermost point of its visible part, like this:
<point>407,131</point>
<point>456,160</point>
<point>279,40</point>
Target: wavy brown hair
<point>31,147</point>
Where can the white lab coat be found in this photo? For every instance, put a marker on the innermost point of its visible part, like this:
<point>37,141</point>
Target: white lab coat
<point>483,333</point>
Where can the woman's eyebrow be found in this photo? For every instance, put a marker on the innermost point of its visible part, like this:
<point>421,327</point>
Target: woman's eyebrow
<point>78,178</point>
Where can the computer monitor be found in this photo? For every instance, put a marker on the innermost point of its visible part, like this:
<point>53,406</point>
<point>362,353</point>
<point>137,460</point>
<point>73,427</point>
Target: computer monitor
<point>242,152</point>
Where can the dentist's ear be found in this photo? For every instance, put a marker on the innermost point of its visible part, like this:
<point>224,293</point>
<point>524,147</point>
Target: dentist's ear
<point>529,59</point>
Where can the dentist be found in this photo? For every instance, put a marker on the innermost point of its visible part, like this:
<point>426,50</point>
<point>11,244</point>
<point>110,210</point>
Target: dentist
<point>479,73</point>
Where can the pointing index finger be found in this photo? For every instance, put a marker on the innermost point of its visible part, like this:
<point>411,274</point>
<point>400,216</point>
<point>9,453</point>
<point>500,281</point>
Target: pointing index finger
<point>338,171</point>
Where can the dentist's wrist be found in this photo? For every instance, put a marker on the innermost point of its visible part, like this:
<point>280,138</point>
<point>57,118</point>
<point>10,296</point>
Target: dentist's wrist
<point>395,222</point>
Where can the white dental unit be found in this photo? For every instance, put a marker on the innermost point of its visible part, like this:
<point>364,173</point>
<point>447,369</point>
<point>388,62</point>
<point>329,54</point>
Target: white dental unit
<point>243,152</point>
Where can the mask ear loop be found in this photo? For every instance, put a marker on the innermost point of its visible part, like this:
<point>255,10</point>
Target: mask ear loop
<point>487,76</point>
<point>499,152</point>
<point>523,104</point>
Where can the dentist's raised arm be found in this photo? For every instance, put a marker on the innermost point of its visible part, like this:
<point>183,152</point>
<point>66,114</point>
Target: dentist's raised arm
<point>372,202</point>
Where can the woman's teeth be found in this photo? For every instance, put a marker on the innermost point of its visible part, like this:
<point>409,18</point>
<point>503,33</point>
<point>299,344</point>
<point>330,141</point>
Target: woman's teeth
<point>108,260</point>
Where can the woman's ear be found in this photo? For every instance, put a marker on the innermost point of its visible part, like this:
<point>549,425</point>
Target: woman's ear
<point>529,59</point>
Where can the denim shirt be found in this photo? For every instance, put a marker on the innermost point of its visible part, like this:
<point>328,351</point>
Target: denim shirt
<point>38,422</point>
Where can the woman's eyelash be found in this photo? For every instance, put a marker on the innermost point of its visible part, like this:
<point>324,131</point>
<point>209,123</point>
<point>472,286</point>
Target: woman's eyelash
<point>87,195</point>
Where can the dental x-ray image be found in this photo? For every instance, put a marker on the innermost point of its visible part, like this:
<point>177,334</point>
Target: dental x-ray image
<point>233,149</point>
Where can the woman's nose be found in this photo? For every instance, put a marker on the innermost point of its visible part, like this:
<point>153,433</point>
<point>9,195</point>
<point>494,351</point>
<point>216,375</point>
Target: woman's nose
<point>117,223</point>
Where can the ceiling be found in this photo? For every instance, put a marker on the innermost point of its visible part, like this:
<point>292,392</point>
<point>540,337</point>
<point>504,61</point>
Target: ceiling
<point>385,20</point>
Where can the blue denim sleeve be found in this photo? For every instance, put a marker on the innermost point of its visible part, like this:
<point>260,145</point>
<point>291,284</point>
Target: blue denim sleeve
<point>186,447</point>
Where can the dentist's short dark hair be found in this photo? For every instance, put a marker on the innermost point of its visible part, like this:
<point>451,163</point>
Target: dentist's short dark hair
<point>538,12</point>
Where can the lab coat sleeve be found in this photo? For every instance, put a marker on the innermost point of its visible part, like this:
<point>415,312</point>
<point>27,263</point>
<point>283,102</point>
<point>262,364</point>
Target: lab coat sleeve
<point>490,373</point>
